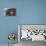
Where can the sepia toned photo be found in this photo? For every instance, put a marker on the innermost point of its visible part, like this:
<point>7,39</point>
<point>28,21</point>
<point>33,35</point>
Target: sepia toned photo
<point>30,34</point>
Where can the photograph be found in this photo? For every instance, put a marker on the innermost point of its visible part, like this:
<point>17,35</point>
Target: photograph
<point>9,12</point>
<point>31,33</point>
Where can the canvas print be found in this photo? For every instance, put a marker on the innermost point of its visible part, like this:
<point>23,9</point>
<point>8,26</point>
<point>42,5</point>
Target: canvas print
<point>9,12</point>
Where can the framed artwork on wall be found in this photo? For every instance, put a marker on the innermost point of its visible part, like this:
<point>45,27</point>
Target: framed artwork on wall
<point>9,12</point>
<point>32,32</point>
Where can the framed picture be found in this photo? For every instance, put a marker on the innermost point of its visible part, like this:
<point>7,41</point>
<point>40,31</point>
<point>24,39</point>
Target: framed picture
<point>32,32</point>
<point>9,12</point>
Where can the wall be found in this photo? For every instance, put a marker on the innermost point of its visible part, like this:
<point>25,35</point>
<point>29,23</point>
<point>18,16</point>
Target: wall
<point>27,12</point>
